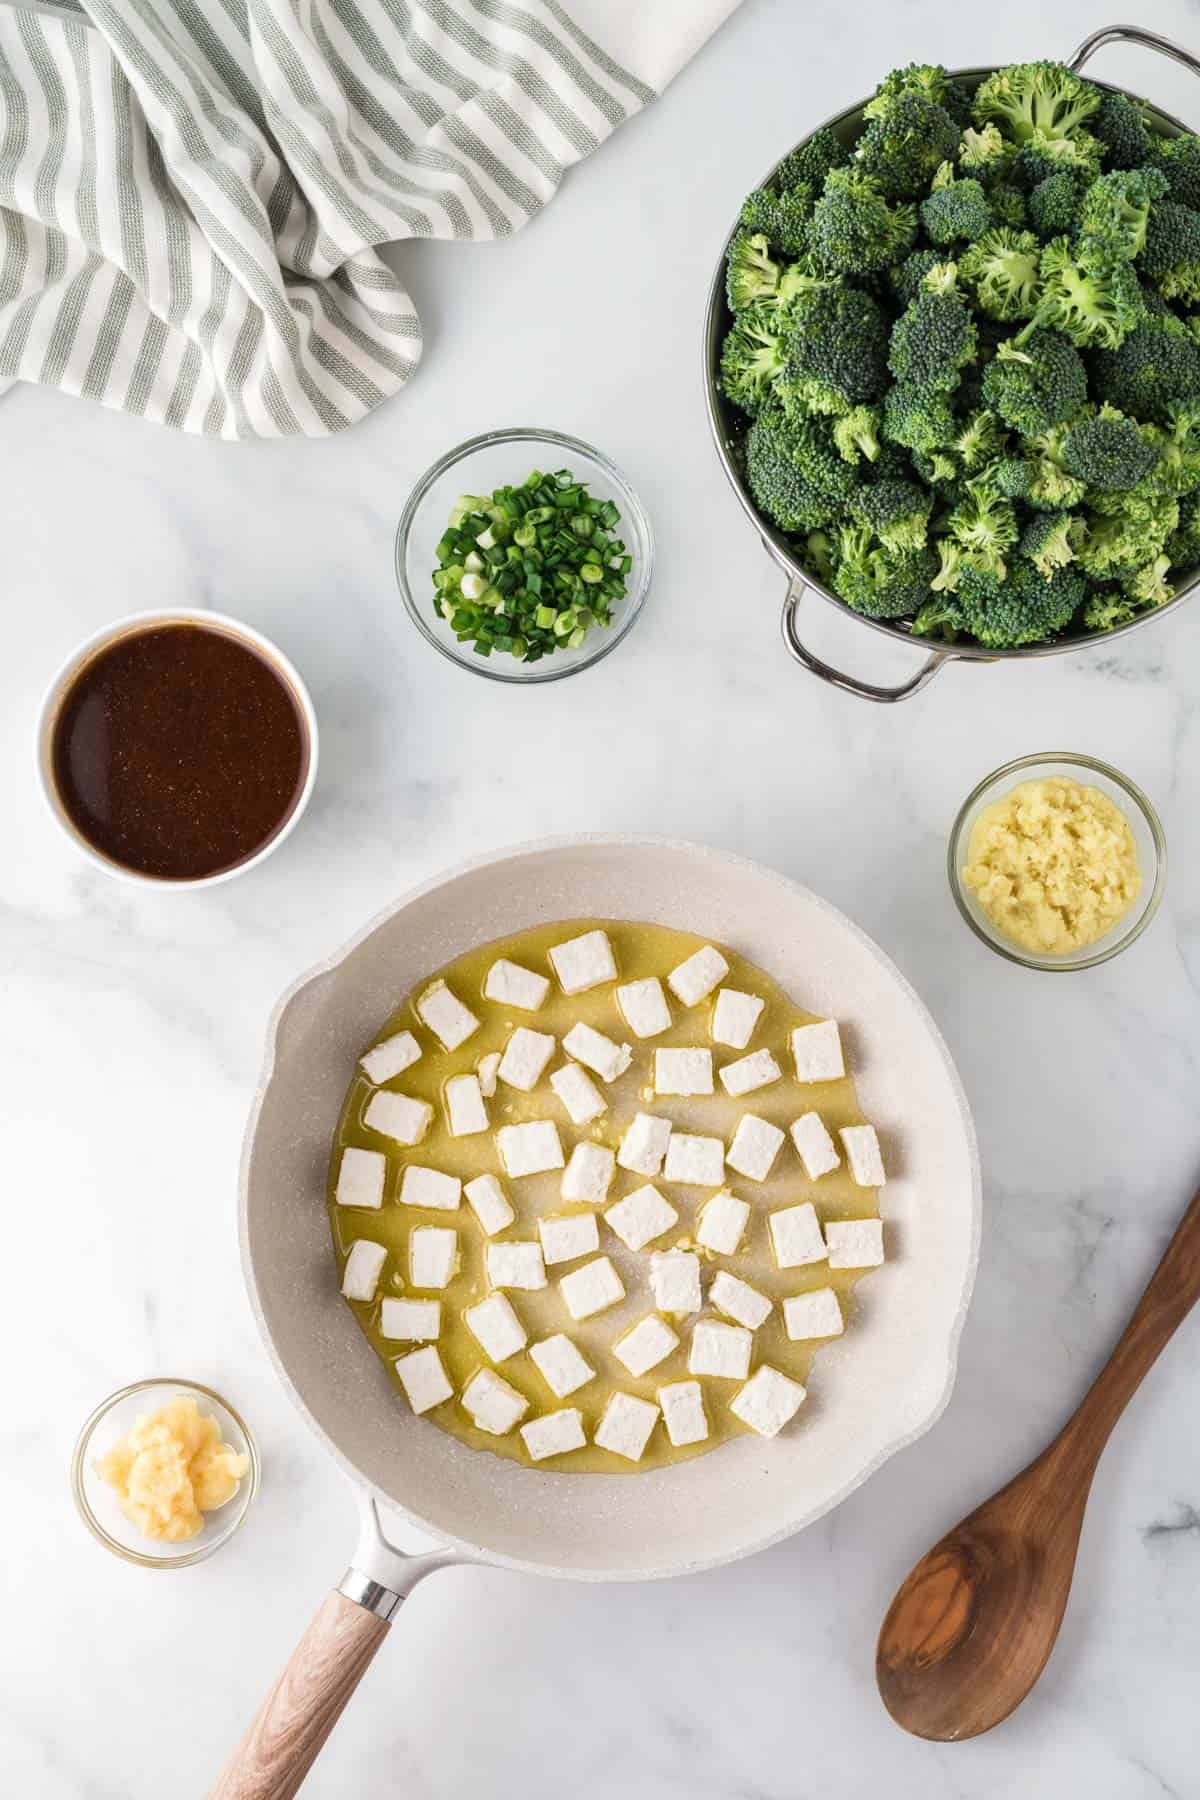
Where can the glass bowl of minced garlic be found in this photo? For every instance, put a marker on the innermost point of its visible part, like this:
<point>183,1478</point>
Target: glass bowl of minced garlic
<point>164,1472</point>
<point>1057,861</point>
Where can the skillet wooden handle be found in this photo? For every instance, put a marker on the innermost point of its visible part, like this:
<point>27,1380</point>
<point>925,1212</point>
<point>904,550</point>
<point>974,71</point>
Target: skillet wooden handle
<point>293,1722</point>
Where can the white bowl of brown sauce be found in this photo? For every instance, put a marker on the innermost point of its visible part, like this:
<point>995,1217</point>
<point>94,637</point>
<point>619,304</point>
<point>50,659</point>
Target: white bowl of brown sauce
<point>177,748</point>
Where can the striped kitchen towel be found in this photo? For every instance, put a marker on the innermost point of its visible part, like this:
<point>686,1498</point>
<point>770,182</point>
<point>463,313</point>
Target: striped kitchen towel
<point>192,192</point>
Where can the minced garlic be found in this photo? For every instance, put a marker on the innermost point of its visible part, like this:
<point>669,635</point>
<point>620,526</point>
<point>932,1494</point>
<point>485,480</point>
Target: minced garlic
<point>1053,865</point>
<point>171,1469</point>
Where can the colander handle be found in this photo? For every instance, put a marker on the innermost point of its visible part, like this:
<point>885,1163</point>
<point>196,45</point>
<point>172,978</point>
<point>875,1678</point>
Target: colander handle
<point>849,684</point>
<point>1132,34</point>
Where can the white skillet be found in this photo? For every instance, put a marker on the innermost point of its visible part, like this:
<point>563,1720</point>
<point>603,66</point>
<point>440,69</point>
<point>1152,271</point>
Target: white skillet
<point>875,1390</point>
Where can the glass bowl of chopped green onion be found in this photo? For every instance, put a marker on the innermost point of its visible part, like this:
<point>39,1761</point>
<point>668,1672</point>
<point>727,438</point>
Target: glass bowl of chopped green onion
<point>524,555</point>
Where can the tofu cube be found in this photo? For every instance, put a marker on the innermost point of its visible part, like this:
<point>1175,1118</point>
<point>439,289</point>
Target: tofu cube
<point>432,1255</point>
<point>364,1265</point>
<point>449,1020</point>
<point>495,1327</point>
<point>683,1072</point>
<point>644,1144</point>
<point>494,1406</point>
<point>391,1058</point>
<point>488,1071</point>
<point>626,1425</point>
<point>588,1176</point>
<point>738,1300</point>
<point>767,1401</point>
<point>554,1434</point>
<point>814,1146</point>
<point>423,1379</point>
<point>415,1320</point>
<point>641,1217</point>
<point>429,1187</point>
<point>644,1006</point>
<point>818,1052</point>
<point>720,1349</point>
<point>722,1223</point>
<point>816,1314</point>
<point>579,1094</point>
<point>591,1289</point>
<point>529,1149</point>
<point>490,1204</point>
<point>564,1240</point>
<point>696,978</point>
<point>465,1112</point>
<point>756,1144</point>
<point>397,1116</point>
<point>855,1243</point>
<point>360,1178</point>
<point>675,1281</point>
<point>508,984</point>
<point>749,1073</point>
<point>696,1161</point>
<point>863,1154</point>
<point>682,1406</point>
<point>796,1236</point>
<point>584,962</point>
<point>646,1345</point>
<point>735,1016</point>
<point>561,1365</point>
<point>607,1059</point>
<point>516,1265</point>
<point>525,1057</point>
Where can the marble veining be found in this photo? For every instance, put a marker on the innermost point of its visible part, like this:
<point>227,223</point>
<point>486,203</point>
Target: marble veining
<point>132,1025</point>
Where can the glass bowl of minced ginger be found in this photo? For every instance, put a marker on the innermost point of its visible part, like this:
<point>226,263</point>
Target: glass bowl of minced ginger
<point>164,1472</point>
<point>1057,861</point>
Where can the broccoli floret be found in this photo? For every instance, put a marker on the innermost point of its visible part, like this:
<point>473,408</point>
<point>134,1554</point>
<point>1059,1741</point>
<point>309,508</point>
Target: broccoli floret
<point>1035,385</point>
<point>1171,257</point>
<point>751,274</point>
<point>1092,299</point>
<point>938,618</point>
<point>979,440</point>
<point>1037,476</point>
<point>781,218</point>
<point>837,350</point>
<point>1107,608</point>
<point>929,80</point>
<point>1177,471</point>
<point>1007,204</point>
<point>984,523</point>
<point>1049,541</point>
<point>809,165</point>
<point>1120,125</point>
<point>1179,160</point>
<point>1023,608</point>
<point>752,358</point>
<point>938,469</point>
<point>856,434</point>
<point>1156,365</point>
<point>1109,452</point>
<point>896,511</point>
<point>854,230</point>
<point>1116,210</point>
<point>1149,586</point>
<point>984,154</point>
<point>818,547</point>
<point>920,418</point>
<point>904,144</point>
<point>1183,545</point>
<point>794,471</point>
<point>932,340</point>
<point>1003,270</point>
<point>881,584</point>
<point>1055,203</point>
<point>1044,156</point>
<point>1027,98</point>
<point>955,211</point>
<point>1116,544</point>
<point>907,278</point>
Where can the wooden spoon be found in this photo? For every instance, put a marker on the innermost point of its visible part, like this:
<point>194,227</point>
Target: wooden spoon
<point>973,1625</point>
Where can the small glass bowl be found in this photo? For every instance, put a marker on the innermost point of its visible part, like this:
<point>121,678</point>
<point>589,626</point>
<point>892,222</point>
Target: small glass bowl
<point>1147,836</point>
<point>500,459</point>
<point>97,1503</point>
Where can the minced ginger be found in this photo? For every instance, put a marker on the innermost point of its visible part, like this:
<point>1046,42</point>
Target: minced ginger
<point>1053,865</point>
<point>171,1469</point>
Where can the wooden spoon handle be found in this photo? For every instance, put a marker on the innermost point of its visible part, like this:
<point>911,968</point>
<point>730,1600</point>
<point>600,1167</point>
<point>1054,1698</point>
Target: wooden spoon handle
<point>1172,1291</point>
<point>305,1704</point>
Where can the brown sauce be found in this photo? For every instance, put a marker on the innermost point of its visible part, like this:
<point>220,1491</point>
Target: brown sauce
<point>179,752</point>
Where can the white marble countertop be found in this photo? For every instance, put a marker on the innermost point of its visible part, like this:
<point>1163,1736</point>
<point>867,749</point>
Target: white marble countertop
<point>132,1026</point>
